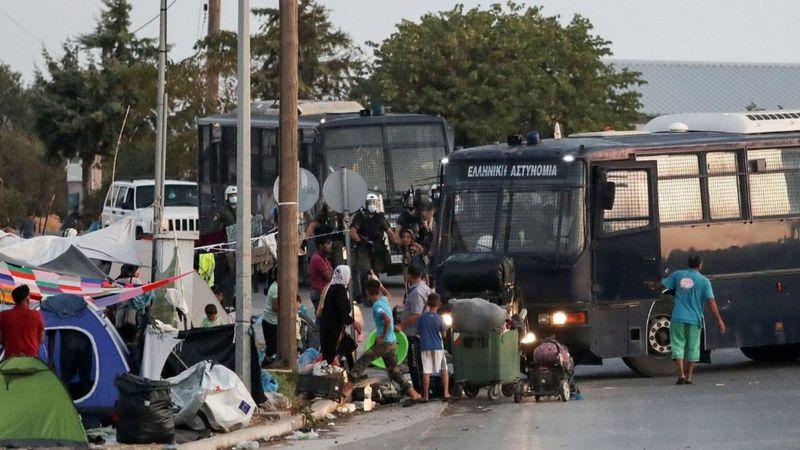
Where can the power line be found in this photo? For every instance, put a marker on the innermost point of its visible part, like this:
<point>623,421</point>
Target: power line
<point>153,19</point>
<point>26,30</point>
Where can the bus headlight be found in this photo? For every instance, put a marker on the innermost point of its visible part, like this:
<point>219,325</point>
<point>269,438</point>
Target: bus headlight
<point>528,339</point>
<point>559,318</point>
<point>448,319</point>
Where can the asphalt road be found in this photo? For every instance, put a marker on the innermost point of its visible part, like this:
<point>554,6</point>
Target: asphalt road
<point>733,404</point>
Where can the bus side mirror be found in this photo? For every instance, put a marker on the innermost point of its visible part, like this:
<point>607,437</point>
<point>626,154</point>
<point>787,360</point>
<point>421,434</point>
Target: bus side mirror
<point>608,195</point>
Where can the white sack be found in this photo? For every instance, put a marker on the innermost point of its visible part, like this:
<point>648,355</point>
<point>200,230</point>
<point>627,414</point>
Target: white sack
<point>476,315</point>
<point>217,392</point>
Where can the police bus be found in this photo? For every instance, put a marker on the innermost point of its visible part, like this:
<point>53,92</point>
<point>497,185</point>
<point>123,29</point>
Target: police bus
<point>393,152</point>
<point>590,221</point>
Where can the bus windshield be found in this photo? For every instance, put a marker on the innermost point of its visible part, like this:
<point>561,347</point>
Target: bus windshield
<point>174,195</point>
<point>547,224</point>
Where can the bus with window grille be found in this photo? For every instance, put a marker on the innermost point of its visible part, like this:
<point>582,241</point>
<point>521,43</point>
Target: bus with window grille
<point>591,221</point>
<point>393,152</point>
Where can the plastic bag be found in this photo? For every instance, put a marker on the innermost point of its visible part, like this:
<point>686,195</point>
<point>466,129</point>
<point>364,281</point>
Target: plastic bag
<point>476,315</point>
<point>216,392</point>
<point>268,382</point>
<point>308,357</point>
<point>145,411</point>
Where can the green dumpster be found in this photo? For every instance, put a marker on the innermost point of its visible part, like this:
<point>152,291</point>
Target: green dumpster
<point>483,359</point>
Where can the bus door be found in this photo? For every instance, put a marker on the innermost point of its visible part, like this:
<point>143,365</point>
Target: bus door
<point>626,253</point>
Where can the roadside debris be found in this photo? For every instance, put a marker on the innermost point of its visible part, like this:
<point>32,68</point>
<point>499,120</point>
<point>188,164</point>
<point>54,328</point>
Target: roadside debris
<point>303,435</point>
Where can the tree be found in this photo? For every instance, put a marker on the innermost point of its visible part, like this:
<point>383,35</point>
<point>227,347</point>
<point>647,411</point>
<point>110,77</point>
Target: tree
<point>80,103</point>
<point>15,110</point>
<point>502,70</point>
<point>81,106</point>
<point>329,63</point>
<point>27,181</point>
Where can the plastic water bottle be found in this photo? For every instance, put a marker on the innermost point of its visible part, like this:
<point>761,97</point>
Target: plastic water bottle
<point>368,403</point>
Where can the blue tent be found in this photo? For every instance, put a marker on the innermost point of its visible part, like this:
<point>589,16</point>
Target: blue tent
<point>85,350</point>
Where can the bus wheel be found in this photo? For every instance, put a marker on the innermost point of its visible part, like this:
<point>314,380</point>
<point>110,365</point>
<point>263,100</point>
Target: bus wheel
<point>658,362</point>
<point>773,353</point>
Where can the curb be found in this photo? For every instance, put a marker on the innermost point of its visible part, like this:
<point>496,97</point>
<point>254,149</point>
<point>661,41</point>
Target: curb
<point>319,409</point>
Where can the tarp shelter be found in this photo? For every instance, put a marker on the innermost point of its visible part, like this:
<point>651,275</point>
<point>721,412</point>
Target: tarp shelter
<point>115,243</point>
<point>202,296</point>
<point>85,350</point>
<point>186,348</point>
<point>36,409</point>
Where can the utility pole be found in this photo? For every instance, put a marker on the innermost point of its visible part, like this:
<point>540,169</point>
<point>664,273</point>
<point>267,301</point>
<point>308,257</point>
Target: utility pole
<point>212,74</point>
<point>161,157</point>
<point>287,203</point>
<point>244,289</point>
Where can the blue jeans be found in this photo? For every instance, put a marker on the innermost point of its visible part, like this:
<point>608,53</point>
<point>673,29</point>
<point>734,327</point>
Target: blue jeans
<point>315,297</point>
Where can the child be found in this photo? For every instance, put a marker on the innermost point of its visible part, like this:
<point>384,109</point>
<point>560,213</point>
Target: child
<point>413,253</point>
<point>431,326</point>
<point>211,319</point>
<point>386,342</point>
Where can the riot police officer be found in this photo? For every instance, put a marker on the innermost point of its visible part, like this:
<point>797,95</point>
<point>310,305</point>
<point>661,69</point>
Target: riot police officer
<point>325,222</point>
<point>369,248</point>
<point>227,215</point>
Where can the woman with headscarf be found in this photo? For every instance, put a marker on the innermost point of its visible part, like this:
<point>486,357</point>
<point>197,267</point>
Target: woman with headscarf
<point>335,313</point>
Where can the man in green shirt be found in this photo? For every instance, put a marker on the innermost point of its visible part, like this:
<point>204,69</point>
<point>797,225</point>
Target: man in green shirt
<point>692,291</point>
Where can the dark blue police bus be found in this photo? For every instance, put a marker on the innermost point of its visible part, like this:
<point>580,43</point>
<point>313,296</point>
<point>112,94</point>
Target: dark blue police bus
<point>393,152</point>
<point>590,221</point>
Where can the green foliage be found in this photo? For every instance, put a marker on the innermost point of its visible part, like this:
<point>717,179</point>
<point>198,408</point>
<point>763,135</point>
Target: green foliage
<point>15,110</point>
<point>80,102</point>
<point>502,70</point>
<point>329,62</point>
<point>28,181</point>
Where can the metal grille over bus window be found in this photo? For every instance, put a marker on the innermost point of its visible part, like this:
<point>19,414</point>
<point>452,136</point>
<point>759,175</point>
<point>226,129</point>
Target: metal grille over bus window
<point>631,204</point>
<point>416,152</point>
<point>679,198</point>
<point>360,149</point>
<point>723,185</point>
<point>473,221</point>
<point>776,190</point>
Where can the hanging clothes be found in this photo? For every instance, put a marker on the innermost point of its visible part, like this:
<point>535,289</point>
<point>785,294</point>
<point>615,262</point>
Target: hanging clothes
<point>207,264</point>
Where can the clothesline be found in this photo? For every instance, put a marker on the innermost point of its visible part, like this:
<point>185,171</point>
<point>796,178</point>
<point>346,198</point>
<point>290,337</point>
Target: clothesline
<point>220,246</point>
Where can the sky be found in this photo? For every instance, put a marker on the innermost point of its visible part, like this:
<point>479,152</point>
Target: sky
<point>693,30</point>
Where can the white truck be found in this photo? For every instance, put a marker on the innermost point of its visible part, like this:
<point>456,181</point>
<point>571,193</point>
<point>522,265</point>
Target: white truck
<point>135,198</point>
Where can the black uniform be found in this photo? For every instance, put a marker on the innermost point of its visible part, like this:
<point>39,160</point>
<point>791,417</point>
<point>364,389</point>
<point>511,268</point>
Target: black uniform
<point>371,253</point>
<point>330,221</point>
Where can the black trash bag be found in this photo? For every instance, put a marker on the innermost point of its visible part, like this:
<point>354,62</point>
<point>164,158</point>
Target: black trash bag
<point>145,411</point>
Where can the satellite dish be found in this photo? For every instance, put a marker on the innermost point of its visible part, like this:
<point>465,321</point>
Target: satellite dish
<point>307,190</point>
<point>344,190</point>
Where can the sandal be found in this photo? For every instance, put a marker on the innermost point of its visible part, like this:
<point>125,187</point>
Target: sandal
<point>681,381</point>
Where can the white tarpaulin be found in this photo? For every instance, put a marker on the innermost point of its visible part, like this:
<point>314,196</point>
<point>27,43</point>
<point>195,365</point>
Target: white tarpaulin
<point>202,296</point>
<point>217,392</point>
<point>115,243</point>
<point>158,345</point>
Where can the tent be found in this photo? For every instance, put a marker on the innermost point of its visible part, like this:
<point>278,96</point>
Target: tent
<point>37,411</point>
<point>85,350</point>
<point>115,243</point>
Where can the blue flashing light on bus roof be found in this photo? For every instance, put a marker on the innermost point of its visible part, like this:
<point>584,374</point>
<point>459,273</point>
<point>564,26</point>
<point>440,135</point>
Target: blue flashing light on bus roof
<point>533,138</point>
